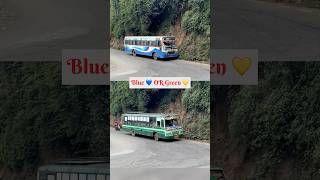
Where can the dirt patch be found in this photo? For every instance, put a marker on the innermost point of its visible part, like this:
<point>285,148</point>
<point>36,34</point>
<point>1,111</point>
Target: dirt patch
<point>177,31</point>
<point>116,43</point>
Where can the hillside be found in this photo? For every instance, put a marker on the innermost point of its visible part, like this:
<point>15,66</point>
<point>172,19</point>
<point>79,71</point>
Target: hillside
<point>187,20</point>
<point>193,105</point>
<point>42,121</point>
<point>269,131</point>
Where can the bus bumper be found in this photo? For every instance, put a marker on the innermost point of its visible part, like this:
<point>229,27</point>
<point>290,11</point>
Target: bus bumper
<point>169,55</point>
<point>173,137</point>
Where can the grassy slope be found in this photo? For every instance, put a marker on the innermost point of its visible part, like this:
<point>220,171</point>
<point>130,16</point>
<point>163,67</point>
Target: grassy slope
<point>273,129</point>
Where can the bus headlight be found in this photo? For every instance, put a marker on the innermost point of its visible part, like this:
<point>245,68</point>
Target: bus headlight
<point>169,134</point>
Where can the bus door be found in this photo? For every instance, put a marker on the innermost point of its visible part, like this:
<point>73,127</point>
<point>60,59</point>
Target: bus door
<point>160,122</point>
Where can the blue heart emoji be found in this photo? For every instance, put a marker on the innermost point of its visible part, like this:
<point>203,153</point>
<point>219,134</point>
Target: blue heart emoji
<point>149,81</point>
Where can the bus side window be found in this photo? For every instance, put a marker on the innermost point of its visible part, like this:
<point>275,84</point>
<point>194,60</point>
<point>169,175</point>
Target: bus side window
<point>74,177</point>
<point>59,176</point>
<point>158,123</point>
<point>101,177</point>
<point>162,123</point>
<point>51,177</point>
<point>91,177</point>
<point>65,176</point>
<point>82,177</point>
<point>153,121</point>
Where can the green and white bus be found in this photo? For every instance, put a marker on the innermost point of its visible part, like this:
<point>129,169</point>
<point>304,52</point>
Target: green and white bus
<point>156,125</point>
<point>76,169</point>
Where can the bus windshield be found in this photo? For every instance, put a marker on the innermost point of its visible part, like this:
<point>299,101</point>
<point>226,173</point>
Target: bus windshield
<point>171,123</point>
<point>169,41</point>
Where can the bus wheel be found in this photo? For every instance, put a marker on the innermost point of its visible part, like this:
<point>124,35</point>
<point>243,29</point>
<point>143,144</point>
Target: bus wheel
<point>156,136</point>
<point>155,56</point>
<point>134,53</point>
<point>133,133</point>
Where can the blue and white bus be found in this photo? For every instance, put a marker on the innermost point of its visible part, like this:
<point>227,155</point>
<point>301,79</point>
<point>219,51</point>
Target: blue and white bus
<point>153,46</point>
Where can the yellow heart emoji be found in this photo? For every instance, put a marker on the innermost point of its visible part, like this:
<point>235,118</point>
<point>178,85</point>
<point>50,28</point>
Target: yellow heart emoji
<point>185,82</point>
<point>241,64</point>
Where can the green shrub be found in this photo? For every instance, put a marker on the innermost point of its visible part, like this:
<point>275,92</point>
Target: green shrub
<point>37,112</point>
<point>279,119</point>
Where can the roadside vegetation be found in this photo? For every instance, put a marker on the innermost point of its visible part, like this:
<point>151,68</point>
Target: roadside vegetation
<point>192,105</point>
<point>275,125</point>
<point>187,20</point>
<point>41,120</point>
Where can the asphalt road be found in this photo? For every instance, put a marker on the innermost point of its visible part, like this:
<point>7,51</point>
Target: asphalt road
<point>279,32</point>
<point>127,151</point>
<point>124,66</point>
<point>39,29</point>
<point>160,174</point>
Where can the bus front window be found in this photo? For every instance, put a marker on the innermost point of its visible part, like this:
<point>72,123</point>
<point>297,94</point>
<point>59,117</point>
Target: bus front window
<point>171,123</point>
<point>169,43</point>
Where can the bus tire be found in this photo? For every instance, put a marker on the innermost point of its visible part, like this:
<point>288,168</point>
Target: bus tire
<point>133,133</point>
<point>134,53</point>
<point>156,136</point>
<point>155,56</point>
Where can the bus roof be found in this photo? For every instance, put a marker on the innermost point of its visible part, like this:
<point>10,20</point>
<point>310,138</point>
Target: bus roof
<point>145,37</point>
<point>98,166</point>
<point>151,114</point>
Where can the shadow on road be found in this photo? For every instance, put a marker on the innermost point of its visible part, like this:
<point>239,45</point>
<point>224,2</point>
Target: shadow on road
<point>159,59</point>
<point>151,138</point>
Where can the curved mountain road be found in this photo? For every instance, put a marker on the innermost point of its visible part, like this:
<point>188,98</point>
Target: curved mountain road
<point>41,29</point>
<point>124,66</point>
<point>127,151</point>
<point>279,32</point>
